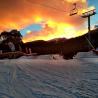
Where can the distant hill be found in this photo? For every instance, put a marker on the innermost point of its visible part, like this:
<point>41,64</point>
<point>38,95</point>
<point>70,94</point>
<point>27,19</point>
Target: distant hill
<point>66,47</point>
<point>57,40</point>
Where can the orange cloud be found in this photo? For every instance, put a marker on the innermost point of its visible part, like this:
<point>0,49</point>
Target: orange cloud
<point>20,13</point>
<point>54,30</point>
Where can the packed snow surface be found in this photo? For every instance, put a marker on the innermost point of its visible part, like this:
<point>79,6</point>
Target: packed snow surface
<point>46,77</point>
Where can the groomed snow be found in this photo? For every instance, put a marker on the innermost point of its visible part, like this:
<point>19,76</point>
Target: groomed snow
<point>45,77</point>
<point>90,54</point>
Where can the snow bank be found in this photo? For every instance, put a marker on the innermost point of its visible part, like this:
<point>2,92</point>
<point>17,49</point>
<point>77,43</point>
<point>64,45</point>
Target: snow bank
<point>44,57</point>
<point>90,54</point>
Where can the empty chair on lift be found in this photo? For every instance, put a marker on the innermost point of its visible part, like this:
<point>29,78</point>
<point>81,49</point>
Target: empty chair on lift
<point>74,10</point>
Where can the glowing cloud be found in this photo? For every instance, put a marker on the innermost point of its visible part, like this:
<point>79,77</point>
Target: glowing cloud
<point>54,30</point>
<point>55,13</point>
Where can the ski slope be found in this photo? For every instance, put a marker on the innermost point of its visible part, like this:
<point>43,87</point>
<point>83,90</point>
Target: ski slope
<point>44,77</point>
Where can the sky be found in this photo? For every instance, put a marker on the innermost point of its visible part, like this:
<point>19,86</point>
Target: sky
<point>94,20</point>
<point>45,19</point>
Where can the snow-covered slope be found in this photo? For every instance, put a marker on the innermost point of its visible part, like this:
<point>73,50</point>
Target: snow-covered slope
<point>44,57</point>
<point>90,54</point>
<point>44,77</point>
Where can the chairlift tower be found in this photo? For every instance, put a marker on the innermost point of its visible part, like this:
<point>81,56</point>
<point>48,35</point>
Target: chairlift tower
<point>88,14</point>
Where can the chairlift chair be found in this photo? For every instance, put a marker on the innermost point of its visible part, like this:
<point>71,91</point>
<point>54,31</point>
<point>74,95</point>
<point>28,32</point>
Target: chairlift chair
<point>74,10</point>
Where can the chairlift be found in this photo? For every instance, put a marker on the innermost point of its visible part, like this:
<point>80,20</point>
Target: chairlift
<point>74,10</point>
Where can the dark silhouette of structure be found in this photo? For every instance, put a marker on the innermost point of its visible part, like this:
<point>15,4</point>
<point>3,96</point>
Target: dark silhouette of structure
<point>74,10</point>
<point>87,15</point>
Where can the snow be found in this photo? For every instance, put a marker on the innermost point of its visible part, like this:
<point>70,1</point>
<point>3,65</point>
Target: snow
<point>45,77</point>
<point>90,54</point>
<point>44,57</point>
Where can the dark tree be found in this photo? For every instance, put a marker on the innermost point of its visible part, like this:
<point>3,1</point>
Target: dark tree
<point>13,36</point>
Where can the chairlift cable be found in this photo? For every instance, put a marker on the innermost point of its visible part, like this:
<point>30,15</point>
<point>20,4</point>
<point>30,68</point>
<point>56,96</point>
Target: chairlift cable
<point>48,6</point>
<point>59,10</point>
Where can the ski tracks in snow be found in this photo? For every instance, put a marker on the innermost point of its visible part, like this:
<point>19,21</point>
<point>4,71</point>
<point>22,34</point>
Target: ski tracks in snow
<point>27,78</point>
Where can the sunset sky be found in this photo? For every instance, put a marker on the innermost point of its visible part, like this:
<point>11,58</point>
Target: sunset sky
<point>45,19</point>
